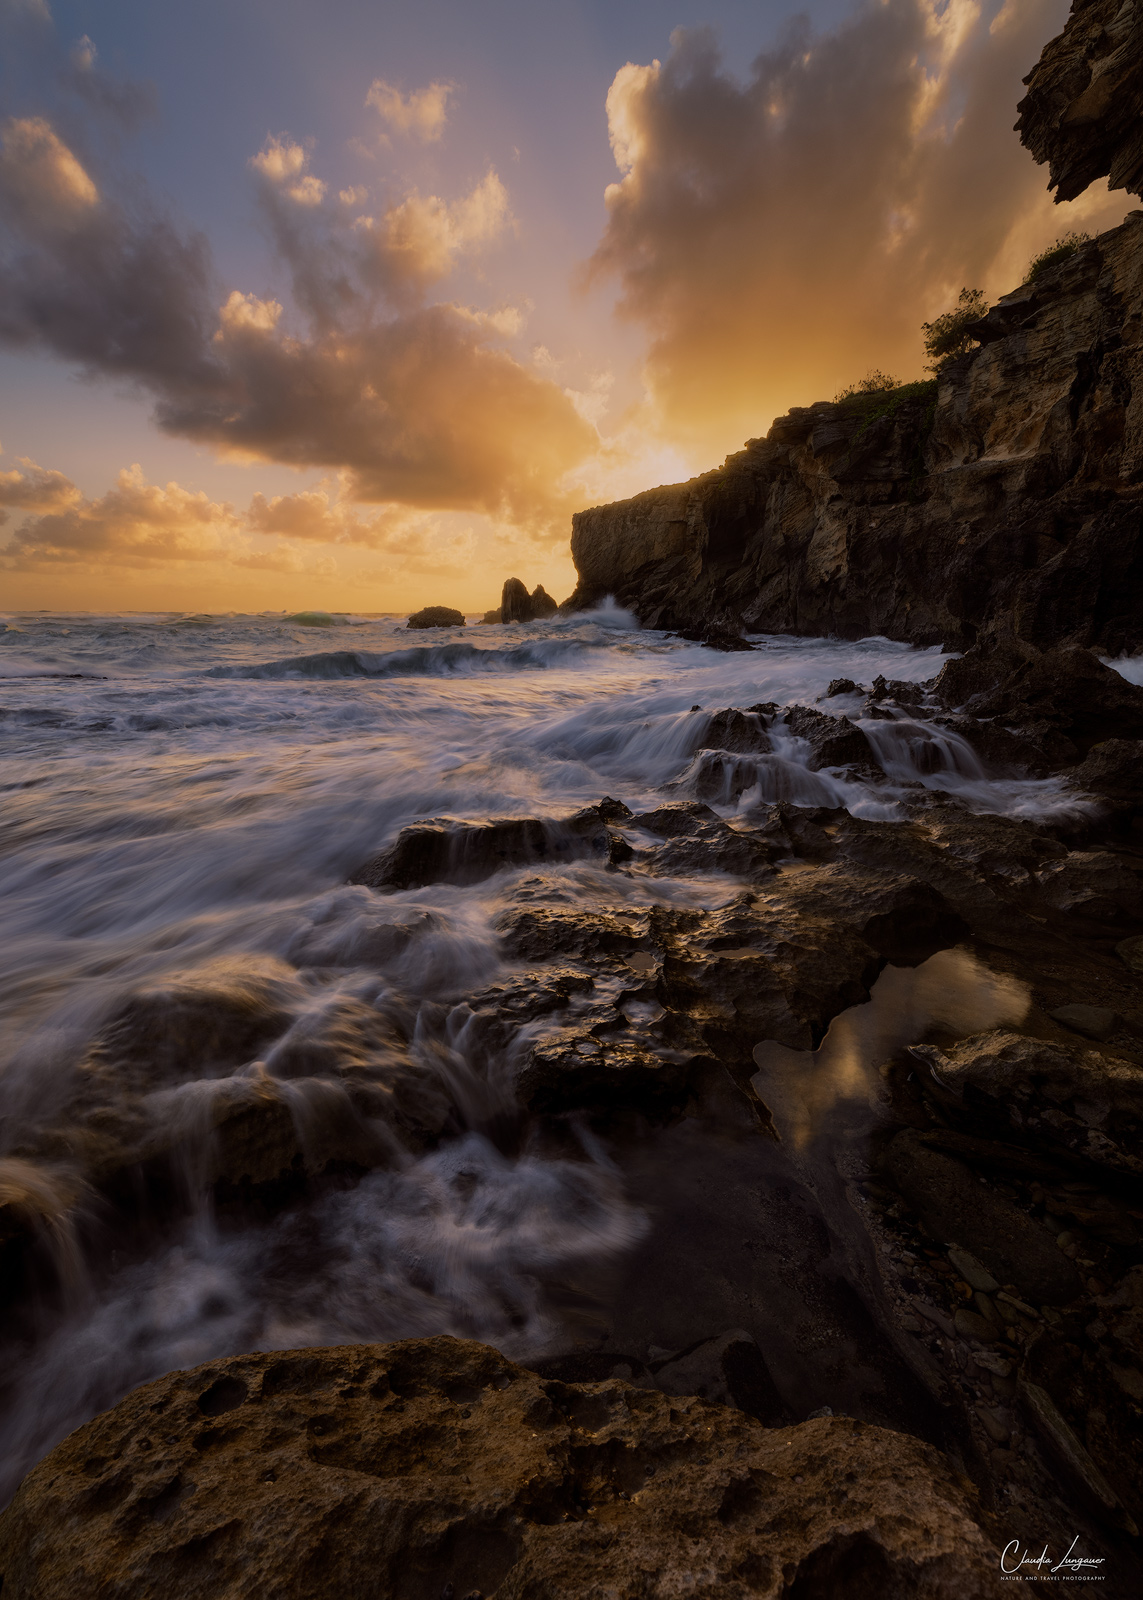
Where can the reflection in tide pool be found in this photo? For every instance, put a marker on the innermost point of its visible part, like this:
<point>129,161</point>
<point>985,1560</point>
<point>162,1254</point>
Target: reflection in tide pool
<point>952,991</point>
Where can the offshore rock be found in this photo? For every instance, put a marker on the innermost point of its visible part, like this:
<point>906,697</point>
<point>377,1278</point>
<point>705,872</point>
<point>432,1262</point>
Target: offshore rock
<point>1083,113</point>
<point>1006,499</point>
<point>436,617</point>
<point>517,605</point>
<point>436,1467</point>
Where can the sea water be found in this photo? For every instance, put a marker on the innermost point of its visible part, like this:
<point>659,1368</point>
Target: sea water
<point>179,790</point>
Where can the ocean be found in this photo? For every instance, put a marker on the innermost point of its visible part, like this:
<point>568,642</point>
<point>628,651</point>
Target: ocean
<point>187,794</point>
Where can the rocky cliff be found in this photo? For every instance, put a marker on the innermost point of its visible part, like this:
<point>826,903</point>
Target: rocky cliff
<point>1004,499</point>
<point>1083,112</point>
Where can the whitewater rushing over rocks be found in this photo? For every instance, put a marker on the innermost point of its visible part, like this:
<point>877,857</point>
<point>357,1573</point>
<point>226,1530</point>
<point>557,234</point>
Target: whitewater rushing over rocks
<point>489,989</point>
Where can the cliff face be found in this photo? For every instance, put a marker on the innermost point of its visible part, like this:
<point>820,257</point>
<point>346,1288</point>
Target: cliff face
<point>1009,501</point>
<point>1083,112</point>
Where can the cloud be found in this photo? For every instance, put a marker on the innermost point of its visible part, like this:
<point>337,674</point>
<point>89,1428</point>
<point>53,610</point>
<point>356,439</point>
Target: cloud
<point>780,234</point>
<point>124,102</point>
<point>34,488</point>
<point>417,404</point>
<point>41,181</point>
<point>422,113</point>
<point>282,162</point>
<point>420,240</point>
<point>38,10</point>
<point>422,409</point>
<point>136,525</point>
<point>315,516</point>
<point>115,290</point>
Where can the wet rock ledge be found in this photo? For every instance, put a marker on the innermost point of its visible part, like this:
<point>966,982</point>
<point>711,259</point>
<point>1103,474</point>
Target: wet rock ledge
<point>436,1470</point>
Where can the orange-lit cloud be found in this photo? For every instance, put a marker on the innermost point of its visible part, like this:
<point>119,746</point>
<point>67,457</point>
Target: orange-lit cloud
<point>421,113</point>
<point>775,232</point>
<point>40,179</point>
<point>139,526</point>
<point>134,526</point>
<point>32,488</point>
<point>420,240</point>
<point>283,163</point>
<point>316,516</point>
<point>416,403</point>
<point>779,234</point>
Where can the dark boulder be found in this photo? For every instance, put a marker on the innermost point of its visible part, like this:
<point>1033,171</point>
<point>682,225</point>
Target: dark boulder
<point>1061,1094</point>
<point>436,617</point>
<point>697,840</point>
<point>835,741</point>
<point>1059,703</point>
<point>517,605</point>
<point>743,732</point>
<point>716,637</point>
<point>1113,769</point>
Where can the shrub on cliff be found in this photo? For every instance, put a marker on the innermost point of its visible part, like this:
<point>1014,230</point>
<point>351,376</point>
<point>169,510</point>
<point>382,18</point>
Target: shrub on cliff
<point>1066,245</point>
<point>874,382</point>
<point>872,402</point>
<point>947,337</point>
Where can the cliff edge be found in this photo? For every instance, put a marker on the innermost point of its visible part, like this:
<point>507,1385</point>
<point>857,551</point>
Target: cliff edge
<point>1004,498</point>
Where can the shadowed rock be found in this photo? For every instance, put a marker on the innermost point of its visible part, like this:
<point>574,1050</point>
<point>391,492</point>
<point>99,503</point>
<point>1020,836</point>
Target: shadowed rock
<point>1083,113</point>
<point>436,617</point>
<point>957,1209</point>
<point>1077,1100</point>
<point>1006,497</point>
<point>517,605</point>
<point>835,741</point>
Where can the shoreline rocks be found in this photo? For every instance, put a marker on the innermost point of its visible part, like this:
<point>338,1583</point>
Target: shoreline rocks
<point>437,1468</point>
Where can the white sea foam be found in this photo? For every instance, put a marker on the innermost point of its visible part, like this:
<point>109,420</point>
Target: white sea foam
<point>183,788</point>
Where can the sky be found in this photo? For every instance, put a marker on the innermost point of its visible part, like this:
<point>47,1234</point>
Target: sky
<point>350,305</point>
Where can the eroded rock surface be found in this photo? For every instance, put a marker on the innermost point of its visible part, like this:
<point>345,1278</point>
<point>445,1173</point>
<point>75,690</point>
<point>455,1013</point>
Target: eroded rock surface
<point>436,1467</point>
<point>1083,109</point>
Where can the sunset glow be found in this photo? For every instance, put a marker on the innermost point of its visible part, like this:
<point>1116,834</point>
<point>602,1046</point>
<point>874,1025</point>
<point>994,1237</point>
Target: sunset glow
<point>360,321</point>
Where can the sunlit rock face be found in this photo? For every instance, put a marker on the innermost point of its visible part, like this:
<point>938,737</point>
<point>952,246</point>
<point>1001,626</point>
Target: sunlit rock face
<point>1083,113</point>
<point>1007,500</point>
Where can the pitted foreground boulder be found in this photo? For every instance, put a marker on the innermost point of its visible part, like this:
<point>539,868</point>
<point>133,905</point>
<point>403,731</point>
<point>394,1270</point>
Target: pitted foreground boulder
<point>434,1467</point>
